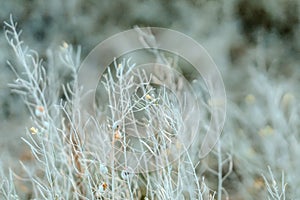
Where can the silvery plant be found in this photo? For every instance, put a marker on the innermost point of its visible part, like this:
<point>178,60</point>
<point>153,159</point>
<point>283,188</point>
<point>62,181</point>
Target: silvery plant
<point>137,135</point>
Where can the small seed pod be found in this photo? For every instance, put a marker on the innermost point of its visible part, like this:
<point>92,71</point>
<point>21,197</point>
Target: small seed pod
<point>39,111</point>
<point>33,130</point>
<point>118,135</point>
<point>103,169</point>
<point>127,174</point>
<point>116,125</point>
<point>101,189</point>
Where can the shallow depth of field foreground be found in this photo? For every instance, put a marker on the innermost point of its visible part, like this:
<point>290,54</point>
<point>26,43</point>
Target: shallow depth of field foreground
<point>81,119</point>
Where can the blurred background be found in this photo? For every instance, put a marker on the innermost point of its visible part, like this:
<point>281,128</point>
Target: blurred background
<point>255,44</point>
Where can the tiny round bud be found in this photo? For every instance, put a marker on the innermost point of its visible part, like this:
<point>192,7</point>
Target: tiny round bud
<point>33,130</point>
<point>127,174</point>
<point>101,189</point>
<point>39,111</point>
<point>103,169</point>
